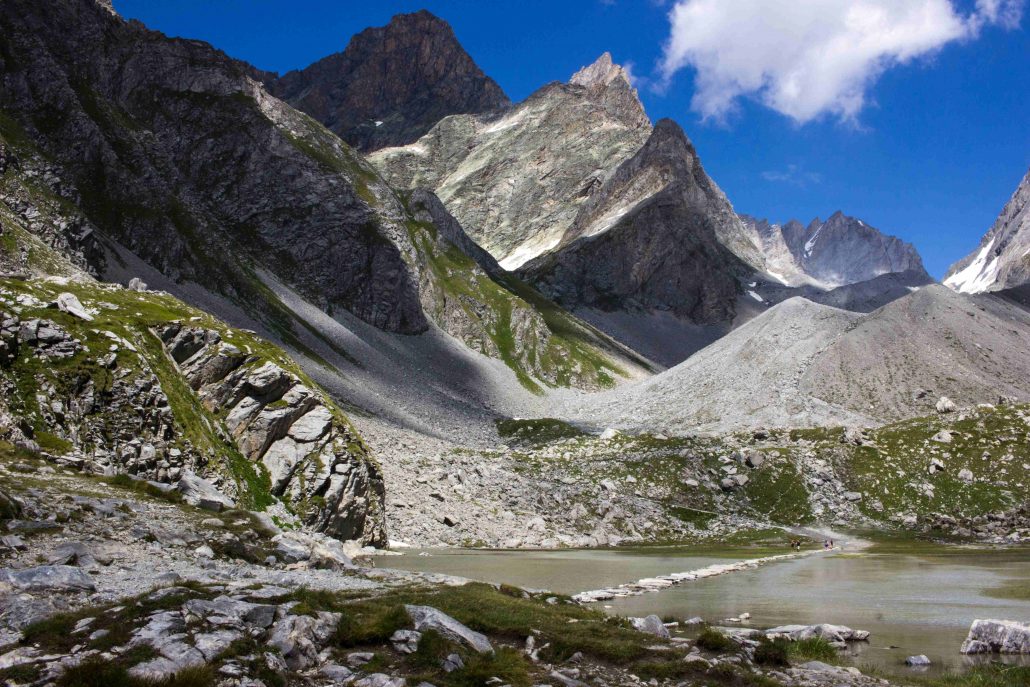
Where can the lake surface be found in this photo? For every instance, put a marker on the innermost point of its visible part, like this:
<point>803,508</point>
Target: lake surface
<point>921,604</point>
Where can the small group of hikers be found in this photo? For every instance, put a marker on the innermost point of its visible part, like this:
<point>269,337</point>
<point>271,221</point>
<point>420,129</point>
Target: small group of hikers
<point>796,544</point>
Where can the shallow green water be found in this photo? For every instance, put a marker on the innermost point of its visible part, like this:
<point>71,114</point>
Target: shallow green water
<point>921,604</point>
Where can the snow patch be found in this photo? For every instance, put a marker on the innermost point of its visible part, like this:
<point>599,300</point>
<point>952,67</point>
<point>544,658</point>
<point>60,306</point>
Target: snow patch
<point>538,245</point>
<point>810,243</point>
<point>978,275</point>
<point>379,122</point>
<point>756,296</point>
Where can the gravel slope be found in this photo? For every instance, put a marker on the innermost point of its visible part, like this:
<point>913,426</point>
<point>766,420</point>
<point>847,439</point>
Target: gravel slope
<point>803,364</point>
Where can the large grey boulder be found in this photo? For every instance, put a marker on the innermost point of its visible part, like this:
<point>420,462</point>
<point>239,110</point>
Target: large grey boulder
<point>48,578</point>
<point>831,633</point>
<point>69,303</point>
<point>997,636</point>
<point>226,611</point>
<point>199,492</point>
<point>300,638</point>
<point>429,618</point>
<point>652,624</point>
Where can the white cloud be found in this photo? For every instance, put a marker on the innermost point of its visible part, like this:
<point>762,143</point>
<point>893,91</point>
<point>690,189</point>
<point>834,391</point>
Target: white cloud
<point>806,58</point>
<point>793,175</point>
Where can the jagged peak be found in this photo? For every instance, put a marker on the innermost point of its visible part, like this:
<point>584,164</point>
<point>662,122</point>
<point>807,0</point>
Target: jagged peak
<point>107,5</point>
<point>601,73</point>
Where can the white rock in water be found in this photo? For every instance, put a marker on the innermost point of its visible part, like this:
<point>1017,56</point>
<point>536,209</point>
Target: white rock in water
<point>917,661</point>
<point>69,303</point>
<point>997,636</point>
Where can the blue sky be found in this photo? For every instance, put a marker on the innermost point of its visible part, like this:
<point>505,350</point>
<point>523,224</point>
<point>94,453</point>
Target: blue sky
<point>929,144</point>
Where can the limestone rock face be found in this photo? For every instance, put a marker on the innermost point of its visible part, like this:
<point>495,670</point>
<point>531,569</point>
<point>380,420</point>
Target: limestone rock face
<point>392,83</point>
<point>840,251</point>
<point>1002,260</point>
<point>655,236</point>
<point>516,180</point>
<point>315,460</point>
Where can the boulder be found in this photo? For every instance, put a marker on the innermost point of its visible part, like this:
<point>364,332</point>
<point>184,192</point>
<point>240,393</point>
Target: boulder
<point>137,284</point>
<point>998,637</point>
<point>48,578</point>
<point>406,641</point>
<point>831,633</point>
<point>379,680</point>
<point>429,618</point>
<point>652,624</point>
<point>945,405</point>
<point>69,303</point>
<point>942,437</point>
<point>228,612</point>
<point>299,638</point>
<point>201,493</point>
<point>966,475</point>
<point>853,496</point>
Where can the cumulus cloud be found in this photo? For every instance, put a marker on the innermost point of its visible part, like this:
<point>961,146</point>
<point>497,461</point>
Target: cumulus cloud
<point>806,58</point>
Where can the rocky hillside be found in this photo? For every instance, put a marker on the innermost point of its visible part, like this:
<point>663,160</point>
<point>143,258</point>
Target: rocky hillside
<point>170,168</point>
<point>840,251</point>
<point>112,380</point>
<point>517,179</point>
<point>1002,260</point>
<point>391,84</point>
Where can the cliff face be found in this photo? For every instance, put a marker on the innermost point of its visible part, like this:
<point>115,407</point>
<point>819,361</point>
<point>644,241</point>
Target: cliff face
<point>392,83</point>
<point>653,237</point>
<point>516,180</point>
<point>1002,260</point>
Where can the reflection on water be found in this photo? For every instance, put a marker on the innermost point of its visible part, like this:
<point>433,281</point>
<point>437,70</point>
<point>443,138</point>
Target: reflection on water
<point>918,604</point>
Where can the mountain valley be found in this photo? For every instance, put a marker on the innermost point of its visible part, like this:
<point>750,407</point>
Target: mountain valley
<point>260,332</point>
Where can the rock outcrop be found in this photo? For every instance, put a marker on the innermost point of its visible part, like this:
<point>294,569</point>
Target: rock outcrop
<point>222,415</point>
<point>392,83</point>
<point>515,180</point>
<point>314,459</point>
<point>1002,260</point>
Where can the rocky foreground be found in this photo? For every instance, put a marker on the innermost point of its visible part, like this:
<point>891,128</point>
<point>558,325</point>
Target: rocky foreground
<point>118,581</point>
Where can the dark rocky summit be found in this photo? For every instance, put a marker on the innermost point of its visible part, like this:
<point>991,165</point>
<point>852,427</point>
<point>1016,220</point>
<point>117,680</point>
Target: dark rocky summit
<point>180,156</point>
<point>392,83</point>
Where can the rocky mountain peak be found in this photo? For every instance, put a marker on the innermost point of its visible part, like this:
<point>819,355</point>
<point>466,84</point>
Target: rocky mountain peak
<point>601,73</point>
<point>107,5</point>
<point>1002,260</point>
<point>832,253</point>
<point>392,83</point>
<point>609,84</point>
